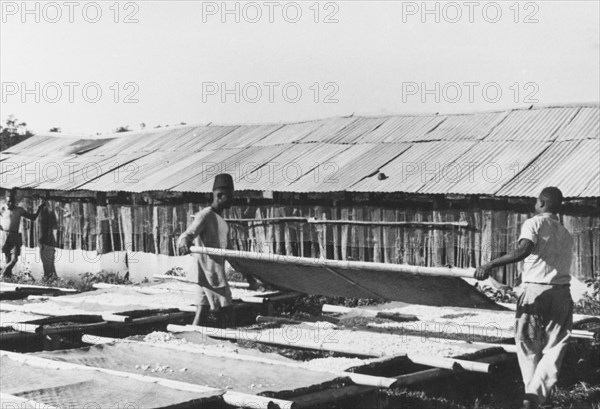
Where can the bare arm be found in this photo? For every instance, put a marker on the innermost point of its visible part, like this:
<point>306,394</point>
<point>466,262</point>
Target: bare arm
<point>33,216</point>
<point>520,253</point>
<point>30,216</point>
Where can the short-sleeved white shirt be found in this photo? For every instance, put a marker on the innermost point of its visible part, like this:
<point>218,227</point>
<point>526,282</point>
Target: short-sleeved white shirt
<point>550,260</point>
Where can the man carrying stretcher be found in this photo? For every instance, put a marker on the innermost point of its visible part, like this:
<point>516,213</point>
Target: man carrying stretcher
<point>545,309</point>
<point>212,231</point>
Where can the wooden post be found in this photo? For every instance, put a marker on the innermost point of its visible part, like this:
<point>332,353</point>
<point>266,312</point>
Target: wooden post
<point>421,247</point>
<point>180,222</point>
<point>314,241</point>
<point>68,223</point>
<point>289,237</point>
<point>76,226</point>
<point>169,214</point>
<point>86,226</point>
<point>499,240</point>
<point>354,235</point>
<point>91,226</point>
<point>251,231</point>
<point>437,243</point>
<point>322,236</point>
<point>110,221</point>
<point>595,226</point>
<point>345,234</point>
<point>155,229</point>
<point>301,237</point>
<point>148,229</point>
<point>487,237</point>
<point>476,243</point>
<point>406,250</point>
<point>336,232</point>
<point>127,228</point>
<point>278,230</point>
<point>362,235</point>
<point>461,242</point>
<point>585,250</point>
<point>388,237</point>
<point>450,239</point>
<point>270,231</point>
<point>118,215</point>
<point>512,270</point>
<point>260,232</point>
<point>579,227</point>
<point>102,229</point>
<point>376,236</point>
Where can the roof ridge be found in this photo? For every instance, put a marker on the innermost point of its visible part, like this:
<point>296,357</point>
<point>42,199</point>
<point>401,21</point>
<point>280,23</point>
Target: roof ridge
<point>282,123</point>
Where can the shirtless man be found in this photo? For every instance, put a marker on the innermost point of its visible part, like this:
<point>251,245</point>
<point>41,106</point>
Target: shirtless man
<point>10,220</point>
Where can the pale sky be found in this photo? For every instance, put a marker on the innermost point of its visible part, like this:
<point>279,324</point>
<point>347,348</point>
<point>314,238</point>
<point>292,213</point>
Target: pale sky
<point>373,58</point>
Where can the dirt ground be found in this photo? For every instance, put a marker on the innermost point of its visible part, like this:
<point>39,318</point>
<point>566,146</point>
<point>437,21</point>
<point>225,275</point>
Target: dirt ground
<point>578,387</point>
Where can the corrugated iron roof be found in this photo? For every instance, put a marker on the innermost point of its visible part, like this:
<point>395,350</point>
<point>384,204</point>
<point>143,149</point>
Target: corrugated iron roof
<point>127,142</point>
<point>294,162</point>
<point>199,162</point>
<point>242,137</point>
<point>585,125</point>
<point>31,171</point>
<point>483,169</point>
<point>184,139</point>
<point>290,133</point>
<point>355,130</point>
<point>504,153</point>
<point>572,166</point>
<point>533,125</point>
<point>62,173</point>
<point>593,189</point>
<point>466,127</point>
<point>195,139</point>
<point>349,167</point>
<point>403,129</point>
<point>414,168</point>
<point>240,163</point>
<point>328,130</point>
<point>42,145</point>
<point>144,173</point>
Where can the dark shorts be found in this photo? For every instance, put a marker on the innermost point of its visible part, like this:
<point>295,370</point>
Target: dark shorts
<point>12,245</point>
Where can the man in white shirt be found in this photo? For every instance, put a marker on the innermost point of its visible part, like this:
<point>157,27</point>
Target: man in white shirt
<point>545,309</point>
<point>212,231</point>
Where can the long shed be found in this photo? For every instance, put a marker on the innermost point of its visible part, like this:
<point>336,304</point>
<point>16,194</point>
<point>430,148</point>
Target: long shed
<point>419,189</point>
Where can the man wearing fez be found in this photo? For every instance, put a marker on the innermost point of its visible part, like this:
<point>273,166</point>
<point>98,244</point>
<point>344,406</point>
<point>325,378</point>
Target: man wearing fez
<point>10,221</point>
<point>209,226</point>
